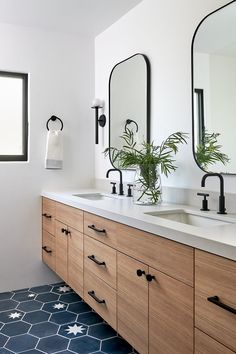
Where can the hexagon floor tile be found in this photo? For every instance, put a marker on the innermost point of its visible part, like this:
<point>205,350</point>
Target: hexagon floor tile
<point>53,319</point>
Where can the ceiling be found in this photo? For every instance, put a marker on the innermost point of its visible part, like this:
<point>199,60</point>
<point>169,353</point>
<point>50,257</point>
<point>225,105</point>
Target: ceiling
<point>87,17</point>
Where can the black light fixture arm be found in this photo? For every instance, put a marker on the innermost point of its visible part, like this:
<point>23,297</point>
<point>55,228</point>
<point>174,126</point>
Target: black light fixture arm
<point>98,120</point>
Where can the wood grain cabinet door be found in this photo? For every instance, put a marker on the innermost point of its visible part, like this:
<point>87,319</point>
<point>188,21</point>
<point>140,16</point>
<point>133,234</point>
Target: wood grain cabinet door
<point>215,297</point>
<point>207,345</point>
<point>132,302</point>
<point>61,250</point>
<point>48,250</point>
<point>170,315</point>
<point>75,260</point>
<point>48,215</point>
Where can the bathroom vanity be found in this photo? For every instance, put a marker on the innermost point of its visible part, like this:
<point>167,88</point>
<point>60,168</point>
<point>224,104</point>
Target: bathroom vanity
<point>154,280</point>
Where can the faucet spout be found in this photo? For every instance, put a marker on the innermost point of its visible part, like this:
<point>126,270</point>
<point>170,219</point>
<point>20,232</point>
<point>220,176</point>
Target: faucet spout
<point>222,209</point>
<point>121,191</point>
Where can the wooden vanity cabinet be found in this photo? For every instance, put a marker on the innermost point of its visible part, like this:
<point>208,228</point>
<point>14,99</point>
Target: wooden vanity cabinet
<point>154,310</point>
<point>69,246</point>
<point>204,344</point>
<point>61,250</point>
<point>132,302</point>
<point>215,297</point>
<point>48,233</point>
<point>49,250</point>
<point>170,315</point>
<point>145,286</point>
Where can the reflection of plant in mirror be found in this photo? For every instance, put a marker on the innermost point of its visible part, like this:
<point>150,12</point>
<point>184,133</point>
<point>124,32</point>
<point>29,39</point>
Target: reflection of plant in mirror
<point>208,151</point>
<point>148,158</point>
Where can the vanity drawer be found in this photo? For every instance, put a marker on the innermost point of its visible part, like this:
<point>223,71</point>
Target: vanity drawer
<point>70,216</point>
<point>169,257</point>
<point>95,255</point>
<point>206,345</point>
<point>101,229</point>
<point>215,276</point>
<point>105,302</point>
<point>48,214</point>
<point>48,250</point>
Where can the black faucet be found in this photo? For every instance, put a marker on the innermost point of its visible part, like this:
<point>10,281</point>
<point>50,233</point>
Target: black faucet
<point>121,191</point>
<point>222,209</point>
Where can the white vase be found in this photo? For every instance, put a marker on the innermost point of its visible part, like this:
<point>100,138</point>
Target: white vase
<point>147,185</point>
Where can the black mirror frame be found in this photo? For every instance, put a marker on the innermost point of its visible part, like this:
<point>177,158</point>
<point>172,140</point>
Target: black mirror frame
<point>148,100</point>
<point>192,83</point>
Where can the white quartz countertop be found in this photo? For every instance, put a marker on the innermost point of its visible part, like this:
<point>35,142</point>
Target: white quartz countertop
<point>217,239</point>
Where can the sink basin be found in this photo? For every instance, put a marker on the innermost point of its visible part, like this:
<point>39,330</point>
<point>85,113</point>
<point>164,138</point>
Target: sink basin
<point>189,218</point>
<point>93,196</point>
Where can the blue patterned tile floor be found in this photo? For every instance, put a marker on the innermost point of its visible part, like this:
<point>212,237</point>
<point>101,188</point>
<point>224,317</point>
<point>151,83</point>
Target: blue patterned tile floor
<point>53,319</point>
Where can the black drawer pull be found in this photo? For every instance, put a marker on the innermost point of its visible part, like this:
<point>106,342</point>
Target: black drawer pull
<point>47,215</point>
<point>64,231</point>
<point>150,277</point>
<point>93,227</point>
<point>92,257</point>
<point>92,294</point>
<point>215,300</point>
<point>140,272</point>
<point>46,249</point>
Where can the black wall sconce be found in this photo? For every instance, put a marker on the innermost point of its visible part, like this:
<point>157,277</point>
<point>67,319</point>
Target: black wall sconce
<point>97,104</point>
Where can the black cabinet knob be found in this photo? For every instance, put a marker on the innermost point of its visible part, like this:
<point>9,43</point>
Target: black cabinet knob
<point>140,272</point>
<point>150,277</point>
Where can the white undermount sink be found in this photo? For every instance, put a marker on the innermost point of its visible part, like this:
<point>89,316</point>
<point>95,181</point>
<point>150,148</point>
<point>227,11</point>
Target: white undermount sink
<point>95,196</point>
<point>189,218</point>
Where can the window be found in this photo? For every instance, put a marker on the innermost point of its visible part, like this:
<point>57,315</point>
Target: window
<point>13,116</point>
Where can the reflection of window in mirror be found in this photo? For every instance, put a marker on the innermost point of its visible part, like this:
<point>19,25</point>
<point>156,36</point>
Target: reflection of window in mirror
<point>199,114</point>
<point>13,116</point>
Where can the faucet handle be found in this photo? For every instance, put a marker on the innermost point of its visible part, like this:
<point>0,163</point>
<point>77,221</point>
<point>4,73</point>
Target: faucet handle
<point>113,191</point>
<point>204,201</point>
<point>129,192</point>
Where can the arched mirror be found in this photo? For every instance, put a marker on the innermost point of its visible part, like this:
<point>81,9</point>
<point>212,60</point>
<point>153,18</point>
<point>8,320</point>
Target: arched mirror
<point>214,91</point>
<point>129,101</point>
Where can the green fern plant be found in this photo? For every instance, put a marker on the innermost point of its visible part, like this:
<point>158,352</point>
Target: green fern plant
<point>208,151</point>
<point>147,158</point>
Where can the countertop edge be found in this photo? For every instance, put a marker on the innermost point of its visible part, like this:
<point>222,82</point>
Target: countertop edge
<point>201,242</point>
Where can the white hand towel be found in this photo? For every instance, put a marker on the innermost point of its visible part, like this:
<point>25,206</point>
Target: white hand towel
<point>54,150</point>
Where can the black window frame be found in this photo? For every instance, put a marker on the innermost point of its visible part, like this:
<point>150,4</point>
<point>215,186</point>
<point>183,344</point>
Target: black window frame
<point>25,79</point>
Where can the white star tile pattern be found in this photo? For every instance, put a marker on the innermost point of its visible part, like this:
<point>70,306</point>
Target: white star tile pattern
<point>75,329</point>
<point>64,289</point>
<point>54,319</point>
<point>59,306</point>
<point>14,315</point>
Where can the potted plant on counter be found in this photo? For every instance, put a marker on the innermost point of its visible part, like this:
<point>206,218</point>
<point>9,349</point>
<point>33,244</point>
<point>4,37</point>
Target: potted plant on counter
<point>149,160</point>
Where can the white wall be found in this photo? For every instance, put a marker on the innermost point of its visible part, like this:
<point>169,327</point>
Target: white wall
<point>61,71</point>
<point>162,30</point>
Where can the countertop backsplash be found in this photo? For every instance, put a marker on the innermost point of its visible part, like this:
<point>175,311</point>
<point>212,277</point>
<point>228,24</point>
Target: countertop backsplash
<point>181,195</point>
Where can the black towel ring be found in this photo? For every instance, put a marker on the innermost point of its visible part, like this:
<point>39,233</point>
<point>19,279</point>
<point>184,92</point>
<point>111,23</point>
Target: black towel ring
<point>128,121</point>
<point>53,118</point>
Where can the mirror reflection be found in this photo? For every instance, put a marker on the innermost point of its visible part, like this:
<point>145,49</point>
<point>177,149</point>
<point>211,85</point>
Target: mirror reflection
<point>129,101</point>
<point>214,91</point>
